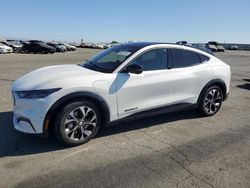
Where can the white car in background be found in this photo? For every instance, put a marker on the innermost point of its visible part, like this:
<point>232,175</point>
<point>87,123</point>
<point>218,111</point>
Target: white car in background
<point>5,49</point>
<point>124,82</point>
<point>106,46</point>
<point>99,46</point>
<point>68,46</point>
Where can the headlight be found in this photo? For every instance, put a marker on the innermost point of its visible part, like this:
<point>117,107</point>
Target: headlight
<point>36,94</point>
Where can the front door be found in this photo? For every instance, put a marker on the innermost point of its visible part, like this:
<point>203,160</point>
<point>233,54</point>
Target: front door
<point>150,89</point>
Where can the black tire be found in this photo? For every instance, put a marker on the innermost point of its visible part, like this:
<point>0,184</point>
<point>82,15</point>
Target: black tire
<point>61,126</point>
<point>209,105</point>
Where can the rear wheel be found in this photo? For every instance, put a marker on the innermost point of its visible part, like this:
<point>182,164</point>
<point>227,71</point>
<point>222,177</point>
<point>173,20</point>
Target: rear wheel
<point>77,123</point>
<point>211,101</point>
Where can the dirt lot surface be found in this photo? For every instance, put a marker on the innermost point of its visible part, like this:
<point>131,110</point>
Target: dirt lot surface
<point>174,150</point>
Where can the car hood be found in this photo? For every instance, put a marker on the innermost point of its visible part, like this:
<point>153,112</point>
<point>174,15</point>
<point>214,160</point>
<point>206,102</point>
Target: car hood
<point>37,78</point>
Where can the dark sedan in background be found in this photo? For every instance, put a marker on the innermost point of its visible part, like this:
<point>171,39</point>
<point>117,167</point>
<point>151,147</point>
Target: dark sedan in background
<point>38,47</point>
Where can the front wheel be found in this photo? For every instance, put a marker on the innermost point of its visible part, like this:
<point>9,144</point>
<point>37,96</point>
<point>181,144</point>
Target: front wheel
<point>211,101</point>
<point>77,123</point>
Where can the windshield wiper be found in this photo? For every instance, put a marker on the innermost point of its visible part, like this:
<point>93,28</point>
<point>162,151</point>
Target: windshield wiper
<point>95,67</point>
<point>93,64</point>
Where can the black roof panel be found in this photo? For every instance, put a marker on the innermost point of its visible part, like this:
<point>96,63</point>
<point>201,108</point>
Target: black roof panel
<point>140,45</point>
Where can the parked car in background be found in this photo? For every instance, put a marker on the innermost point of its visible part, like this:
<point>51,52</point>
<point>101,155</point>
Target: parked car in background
<point>38,47</point>
<point>58,47</point>
<point>5,49</point>
<point>106,46</point>
<point>81,45</point>
<point>127,81</point>
<point>233,47</point>
<point>68,46</point>
<point>213,45</point>
<point>88,45</point>
<point>15,45</point>
<point>38,41</point>
<point>99,46</point>
<point>91,45</point>
<point>185,43</point>
<point>182,42</point>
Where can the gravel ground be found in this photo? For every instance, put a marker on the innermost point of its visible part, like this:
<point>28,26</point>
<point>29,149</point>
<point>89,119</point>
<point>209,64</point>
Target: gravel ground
<point>174,150</point>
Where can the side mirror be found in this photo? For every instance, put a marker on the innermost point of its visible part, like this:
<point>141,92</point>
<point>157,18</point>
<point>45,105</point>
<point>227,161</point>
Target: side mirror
<point>134,69</point>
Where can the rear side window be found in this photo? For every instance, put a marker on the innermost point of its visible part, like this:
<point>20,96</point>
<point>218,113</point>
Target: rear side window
<point>185,58</point>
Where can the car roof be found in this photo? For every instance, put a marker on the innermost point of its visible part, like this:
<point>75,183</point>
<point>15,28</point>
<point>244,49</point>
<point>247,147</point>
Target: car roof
<point>141,45</point>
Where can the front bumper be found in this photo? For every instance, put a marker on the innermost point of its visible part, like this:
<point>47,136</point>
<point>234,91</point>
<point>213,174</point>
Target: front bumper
<point>6,50</point>
<point>23,124</point>
<point>29,114</point>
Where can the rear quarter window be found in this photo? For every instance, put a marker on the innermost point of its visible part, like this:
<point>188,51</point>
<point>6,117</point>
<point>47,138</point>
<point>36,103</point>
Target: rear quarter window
<point>184,58</point>
<point>204,58</point>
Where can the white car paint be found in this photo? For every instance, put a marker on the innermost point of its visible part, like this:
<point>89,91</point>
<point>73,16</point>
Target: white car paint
<point>71,47</point>
<point>124,93</point>
<point>5,49</point>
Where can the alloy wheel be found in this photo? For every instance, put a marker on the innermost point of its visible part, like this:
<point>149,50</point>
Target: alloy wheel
<point>213,101</point>
<point>80,123</point>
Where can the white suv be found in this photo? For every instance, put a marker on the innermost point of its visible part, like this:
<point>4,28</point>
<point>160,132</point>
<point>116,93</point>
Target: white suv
<point>124,82</point>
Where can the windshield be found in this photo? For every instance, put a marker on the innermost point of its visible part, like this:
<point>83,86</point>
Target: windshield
<point>43,44</point>
<point>108,60</point>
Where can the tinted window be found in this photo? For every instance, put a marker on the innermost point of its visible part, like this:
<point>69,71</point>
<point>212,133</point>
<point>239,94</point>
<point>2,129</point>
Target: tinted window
<point>204,58</point>
<point>184,58</point>
<point>153,60</point>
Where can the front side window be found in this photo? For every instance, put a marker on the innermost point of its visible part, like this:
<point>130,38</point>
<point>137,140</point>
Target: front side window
<point>153,60</point>
<point>185,58</point>
<point>108,60</point>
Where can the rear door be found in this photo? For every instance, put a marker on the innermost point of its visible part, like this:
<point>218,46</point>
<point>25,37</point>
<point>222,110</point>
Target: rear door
<point>190,72</point>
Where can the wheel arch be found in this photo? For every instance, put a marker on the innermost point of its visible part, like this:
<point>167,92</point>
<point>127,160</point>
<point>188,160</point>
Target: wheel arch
<point>77,96</point>
<point>215,82</point>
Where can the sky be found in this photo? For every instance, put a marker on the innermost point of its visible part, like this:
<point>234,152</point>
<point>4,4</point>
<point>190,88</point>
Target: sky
<point>127,20</point>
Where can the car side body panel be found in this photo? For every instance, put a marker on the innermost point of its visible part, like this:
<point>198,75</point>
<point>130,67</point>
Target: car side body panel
<point>136,93</point>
